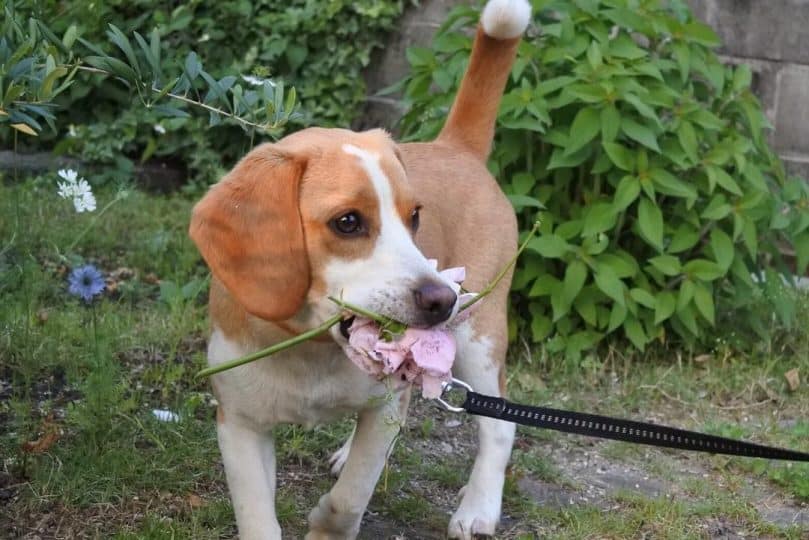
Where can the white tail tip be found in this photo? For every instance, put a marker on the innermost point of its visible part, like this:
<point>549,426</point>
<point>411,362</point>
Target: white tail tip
<point>505,19</point>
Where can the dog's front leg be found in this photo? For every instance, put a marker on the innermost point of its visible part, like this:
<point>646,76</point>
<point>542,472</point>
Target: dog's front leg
<point>249,457</point>
<point>339,512</point>
<point>479,511</point>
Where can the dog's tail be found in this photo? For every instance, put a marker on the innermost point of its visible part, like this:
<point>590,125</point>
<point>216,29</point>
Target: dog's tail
<point>471,120</point>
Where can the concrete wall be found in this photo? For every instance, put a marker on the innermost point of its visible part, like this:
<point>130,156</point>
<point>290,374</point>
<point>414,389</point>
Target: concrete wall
<point>772,36</point>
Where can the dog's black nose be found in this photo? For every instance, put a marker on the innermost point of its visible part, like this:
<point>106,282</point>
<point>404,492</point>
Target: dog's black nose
<point>434,302</point>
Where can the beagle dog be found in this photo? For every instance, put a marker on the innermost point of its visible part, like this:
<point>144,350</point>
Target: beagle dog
<point>331,212</point>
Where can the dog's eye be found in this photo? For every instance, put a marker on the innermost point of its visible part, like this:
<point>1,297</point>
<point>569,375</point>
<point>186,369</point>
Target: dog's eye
<point>349,224</point>
<point>414,219</point>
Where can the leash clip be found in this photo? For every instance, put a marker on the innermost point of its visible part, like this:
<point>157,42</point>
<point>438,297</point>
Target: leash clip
<point>449,386</point>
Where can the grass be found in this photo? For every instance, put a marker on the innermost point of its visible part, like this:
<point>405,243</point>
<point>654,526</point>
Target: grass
<point>83,456</point>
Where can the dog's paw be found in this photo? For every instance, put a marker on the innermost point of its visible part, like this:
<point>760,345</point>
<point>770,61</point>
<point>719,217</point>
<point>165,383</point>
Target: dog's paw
<point>338,459</point>
<point>332,520</point>
<point>476,517</point>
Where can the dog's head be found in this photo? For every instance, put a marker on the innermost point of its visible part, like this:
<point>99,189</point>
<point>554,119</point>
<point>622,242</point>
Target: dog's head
<point>321,213</point>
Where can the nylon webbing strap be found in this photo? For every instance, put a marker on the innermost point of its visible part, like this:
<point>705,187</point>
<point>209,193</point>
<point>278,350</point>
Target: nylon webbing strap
<point>621,430</point>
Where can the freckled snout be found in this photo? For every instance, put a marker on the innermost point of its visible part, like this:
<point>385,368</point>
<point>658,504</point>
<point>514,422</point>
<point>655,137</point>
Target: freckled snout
<point>434,302</point>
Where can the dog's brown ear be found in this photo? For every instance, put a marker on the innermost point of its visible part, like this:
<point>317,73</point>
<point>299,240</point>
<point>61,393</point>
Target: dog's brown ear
<point>248,229</point>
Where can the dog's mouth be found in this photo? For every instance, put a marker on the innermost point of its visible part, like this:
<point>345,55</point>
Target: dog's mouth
<point>345,324</point>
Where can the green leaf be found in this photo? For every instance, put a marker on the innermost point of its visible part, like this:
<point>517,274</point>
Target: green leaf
<point>634,331</point>
<point>717,209</point>
<point>685,237</point>
<point>296,55</point>
<point>701,33</point>
<point>623,47</point>
<point>650,223</point>
<point>594,57</point>
<point>644,109</point>
<point>750,238</point>
<point>742,77</point>
<point>688,140</point>
<point>703,299</point>
<point>643,297</point>
<point>626,193</point>
<point>575,276</point>
<point>558,304</point>
<point>683,56</point>
<point>609,284</point>
<point>620,156</point>
<point>722,247</point>
<point>147,53</point>
<point>668,184</point>
<point>717,175</point>
<point>122,42</point>
<point>192,65</point>
<point>687,319</point>
<point>686,294</point>
<point>70,36</point>
<point>113,66</point>
<point>666,264</point>
<point>522,183</point>
<point>524,201</point>
<point>621,263</point>
<point>703,270</point>
<point>585,127</point>
<point>586,308</point>
<point>617,317</point>
<point>664,306</point>
<point>640,133</point>
<point>541,327</point>
<point>549,246</point>
<point>559,159</point>
<point>598,218</point>
<point>544,286</point>
<point>610,123</point>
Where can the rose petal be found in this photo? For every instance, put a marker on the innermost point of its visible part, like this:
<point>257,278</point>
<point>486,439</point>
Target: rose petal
<point>391,354</point>
<point>434,351</point>
<point>457,274</point>
<point>431,386</point>
<point>363,337</point>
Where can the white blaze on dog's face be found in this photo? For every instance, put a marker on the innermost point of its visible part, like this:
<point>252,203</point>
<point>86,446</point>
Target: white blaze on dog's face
<point>359,227</point>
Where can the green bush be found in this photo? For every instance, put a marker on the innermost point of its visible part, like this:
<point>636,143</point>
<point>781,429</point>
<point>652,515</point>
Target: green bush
<point>319,48</point>
<point>662,194</point>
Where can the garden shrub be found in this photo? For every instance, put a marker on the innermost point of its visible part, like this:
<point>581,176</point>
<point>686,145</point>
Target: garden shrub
<point>662,194</point>
<point>319,48</point>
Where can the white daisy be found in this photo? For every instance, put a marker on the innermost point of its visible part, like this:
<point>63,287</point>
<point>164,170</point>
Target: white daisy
<point>68,174</point>
<point>66,189</point>
<point>83,198</point>
<point>77,189</point>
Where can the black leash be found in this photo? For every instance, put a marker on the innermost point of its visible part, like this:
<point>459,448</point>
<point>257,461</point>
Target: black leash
<point>595,425</point>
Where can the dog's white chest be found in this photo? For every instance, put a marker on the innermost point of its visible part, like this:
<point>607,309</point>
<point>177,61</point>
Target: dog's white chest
<point>311,384</point>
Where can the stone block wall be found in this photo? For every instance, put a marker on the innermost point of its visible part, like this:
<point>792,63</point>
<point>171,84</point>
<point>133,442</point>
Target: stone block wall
<point>772,36</point>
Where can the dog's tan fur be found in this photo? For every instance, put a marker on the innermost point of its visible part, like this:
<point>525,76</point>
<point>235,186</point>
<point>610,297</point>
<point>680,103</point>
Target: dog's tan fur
<point>264,231</point>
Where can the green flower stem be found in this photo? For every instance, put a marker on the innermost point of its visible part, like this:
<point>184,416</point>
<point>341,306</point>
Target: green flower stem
<point>490,287</point>
<point>381,319</point>
<point>93,222</point>
<point>314,332</point>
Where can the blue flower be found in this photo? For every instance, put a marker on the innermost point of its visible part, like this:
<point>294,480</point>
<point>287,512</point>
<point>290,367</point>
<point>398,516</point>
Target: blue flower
<point>86,282</point>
